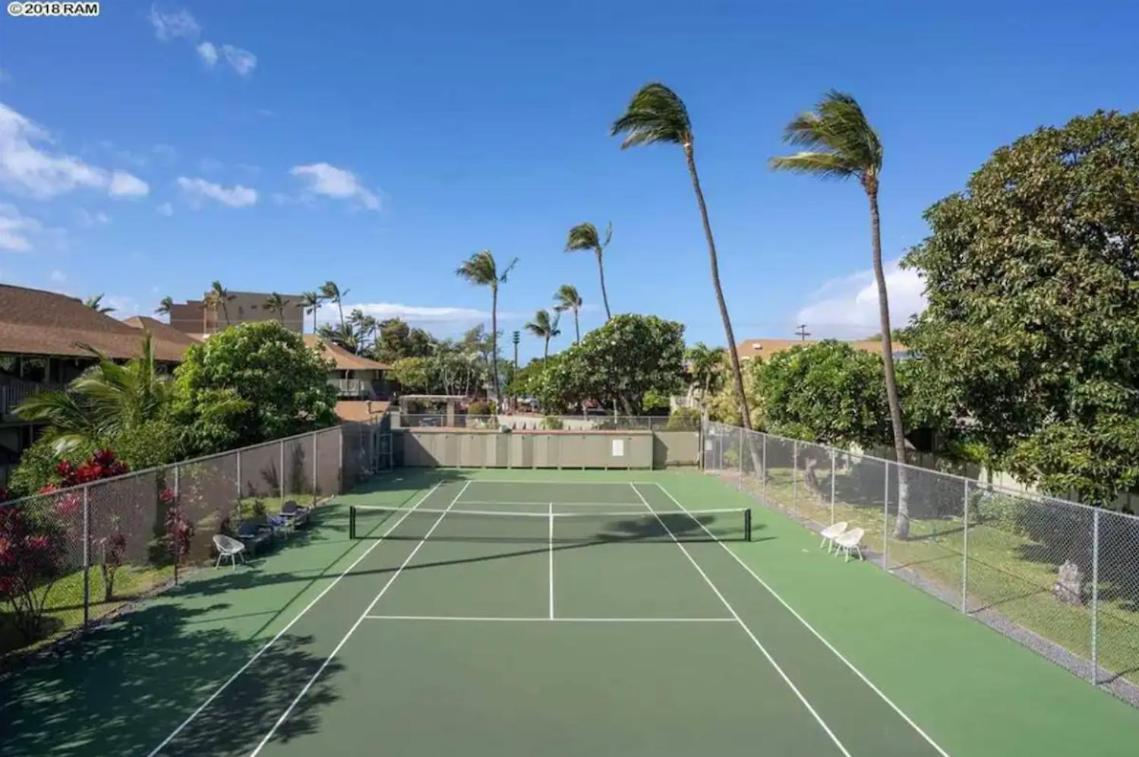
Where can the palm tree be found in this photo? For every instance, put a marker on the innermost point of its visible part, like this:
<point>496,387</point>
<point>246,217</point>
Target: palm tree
<point>96,304</point>
<point>330,291</point>
<point>657,114</point>
<point>221,297</point>
<point>311,302</point>
<point>275,303</point>
<point>365,327</point>
<point>480,269</point>
<point>704,366</point>
<point>584,236</point>
<point>165,305</point>
<point>343,336</point>
<point>103,402</point>
<point>543,327</point>
<point>840,143</point>
<point>567,298</point>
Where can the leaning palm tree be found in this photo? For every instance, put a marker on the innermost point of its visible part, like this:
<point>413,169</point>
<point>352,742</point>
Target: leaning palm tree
<point>584,236</point>
<point>840,143</point>
<point>480,269</point>
<point>364,326</point>
<point>165,305</point>
<point>96,304</point>
<point>344,336</point>
<point>544,328</point>
<point>221,297</point>
<point>103,402</point>
<point>311,302</point>
<point>276,304</point>
<point>331,292</point>
<point>657,114</point>
<point>567,298</point>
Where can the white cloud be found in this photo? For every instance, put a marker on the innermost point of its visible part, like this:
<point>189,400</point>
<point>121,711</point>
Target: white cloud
<point>848,307</point>
<point>442,319</point>
<point>339,183</point>
<point>27,168</point>
<point>165,209</point>
<point>241,61</point>
<point>173,24</point>
<point>15,229</point>
<point>89,219</point>
<point>236,196</point>
<point>57,276</point>
<point>208,53</point>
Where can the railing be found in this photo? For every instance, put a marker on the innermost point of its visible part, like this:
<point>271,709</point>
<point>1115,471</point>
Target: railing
<point>350,387</point>
<point>1058,576</point>
<point>14,391</point>
<point>548,423</point>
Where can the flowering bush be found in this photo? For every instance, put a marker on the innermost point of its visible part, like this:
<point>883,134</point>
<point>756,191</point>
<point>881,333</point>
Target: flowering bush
<point>179,530</point>
<point>31,551</point>
<point>102,464</point>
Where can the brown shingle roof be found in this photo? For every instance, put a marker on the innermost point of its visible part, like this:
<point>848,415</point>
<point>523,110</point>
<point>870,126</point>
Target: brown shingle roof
<point>36,322</point>
<point>345,360</point>
<point>160,330</point>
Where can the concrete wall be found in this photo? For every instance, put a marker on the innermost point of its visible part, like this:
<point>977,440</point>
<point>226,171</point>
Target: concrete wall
<point>488,449</point>
<point>675,448</point>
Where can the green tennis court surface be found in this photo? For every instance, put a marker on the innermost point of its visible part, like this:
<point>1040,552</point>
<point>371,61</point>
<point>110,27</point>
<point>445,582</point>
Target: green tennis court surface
<point>522,613</point>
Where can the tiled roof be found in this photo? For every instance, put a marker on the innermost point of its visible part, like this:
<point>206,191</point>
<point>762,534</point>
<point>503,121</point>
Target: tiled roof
<point>345,360</point>
<point>37,322</point>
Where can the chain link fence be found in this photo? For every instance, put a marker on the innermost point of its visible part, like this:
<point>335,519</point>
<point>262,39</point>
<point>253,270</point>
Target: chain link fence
<point>678,422</point>
<point>73,555</point>
<point>1060,577</point>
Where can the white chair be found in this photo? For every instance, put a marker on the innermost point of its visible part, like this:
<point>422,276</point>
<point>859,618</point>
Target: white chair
<point>849,542</point>
<point>228,547</point>
<point>830,533</point>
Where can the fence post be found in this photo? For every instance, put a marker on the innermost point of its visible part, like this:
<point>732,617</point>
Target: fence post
<point>281,470</point>
<point>86,558</point>
<point>240,509</point>
<point>740,482</point>
<point>314,471</point>
<point>965,552</point>
<point>886,518</point>
<point>795,473</point>
<point>1095,596</point>
<point>834,470</point>
<point>763,473</point>
<point>339,460</point>
<point>177,505</point>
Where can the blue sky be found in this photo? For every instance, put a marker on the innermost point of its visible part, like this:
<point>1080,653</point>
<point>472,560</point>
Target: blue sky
<point>273,145</point>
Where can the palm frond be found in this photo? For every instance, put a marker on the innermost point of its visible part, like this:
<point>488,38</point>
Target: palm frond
<point>843,142</point>
<point>655,114</point>
<point>582,237</point>
<point>479,269</point>
<point>567,298</point>
<point>825,164</point>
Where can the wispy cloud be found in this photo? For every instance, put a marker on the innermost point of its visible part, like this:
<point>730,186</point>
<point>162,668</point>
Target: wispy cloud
<point>847,307</point>
<point>29,166</point>
<point>339,183</point>
<point>91,219</point>
<point>16,229</point>
<point>165,209</point>
<point>438,319</point>
<point>197,189</point>
<point>174,24</point>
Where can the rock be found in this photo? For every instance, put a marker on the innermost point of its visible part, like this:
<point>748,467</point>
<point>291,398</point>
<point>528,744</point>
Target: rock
<point>1069,586</point>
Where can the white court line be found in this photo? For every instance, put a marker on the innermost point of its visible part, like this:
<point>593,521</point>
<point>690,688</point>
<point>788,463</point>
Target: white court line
<point>288,711</point>
<point>551,551</point>
<point>817,635</point>
<point>744,626</point>
<point>281,633</point>
<point>543,503</point>
<point>508,619</point>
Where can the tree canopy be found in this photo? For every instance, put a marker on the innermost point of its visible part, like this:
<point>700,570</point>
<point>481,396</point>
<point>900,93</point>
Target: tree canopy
<point>248,383</point>
<point>1032,328</point>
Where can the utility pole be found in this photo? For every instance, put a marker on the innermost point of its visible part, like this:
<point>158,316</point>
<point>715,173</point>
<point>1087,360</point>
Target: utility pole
<point>802,332</point>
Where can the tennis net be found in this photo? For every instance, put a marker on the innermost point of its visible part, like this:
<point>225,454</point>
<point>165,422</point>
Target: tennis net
<point>618,525</point>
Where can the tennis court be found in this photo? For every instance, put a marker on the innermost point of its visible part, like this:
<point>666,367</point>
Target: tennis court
<point>523,617</point>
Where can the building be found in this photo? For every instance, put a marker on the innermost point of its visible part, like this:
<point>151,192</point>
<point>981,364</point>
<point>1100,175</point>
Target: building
<point>44,341</point>
<point>194,318</point>
<point>765,348</point>
<point>361,389</point>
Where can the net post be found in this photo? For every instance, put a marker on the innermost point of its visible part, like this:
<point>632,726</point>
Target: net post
<point>352,522</point>
<point>86,558</point>
<point>1095,596</point>
<point>740,481</point>
<point>747,524</point>
<point>886,517</point>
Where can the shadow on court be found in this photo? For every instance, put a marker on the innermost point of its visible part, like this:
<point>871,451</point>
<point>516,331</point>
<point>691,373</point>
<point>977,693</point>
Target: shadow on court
<point>126,686</point>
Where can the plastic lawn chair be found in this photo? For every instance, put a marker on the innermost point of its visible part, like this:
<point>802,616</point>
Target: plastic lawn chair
<point>830,533</point>
<point>849,542</point>
<point>228,547</point>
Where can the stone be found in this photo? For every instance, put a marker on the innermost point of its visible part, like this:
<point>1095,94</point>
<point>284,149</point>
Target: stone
<point>1069,586</point>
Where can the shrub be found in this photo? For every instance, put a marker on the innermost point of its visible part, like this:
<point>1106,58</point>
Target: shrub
<point>552,423</point>
<point>31,554</point>
<point>480,407</point>
<point>683,419</point>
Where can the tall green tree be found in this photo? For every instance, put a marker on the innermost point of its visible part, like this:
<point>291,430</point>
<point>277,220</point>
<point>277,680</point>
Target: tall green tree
<point>331,292</point>
<point>567,298</point>
<point>657,114</point>
<point>165,305</point>
<point>276,304</point>
<point>1032,326</point>
<point>311,302</point>
<point>545,328</point>
<point>96,304</point>
<point>221,298</point>
<point>584,236</point>
<point>839,144</point>
<point>706,367</point>
<point>481,269</point>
